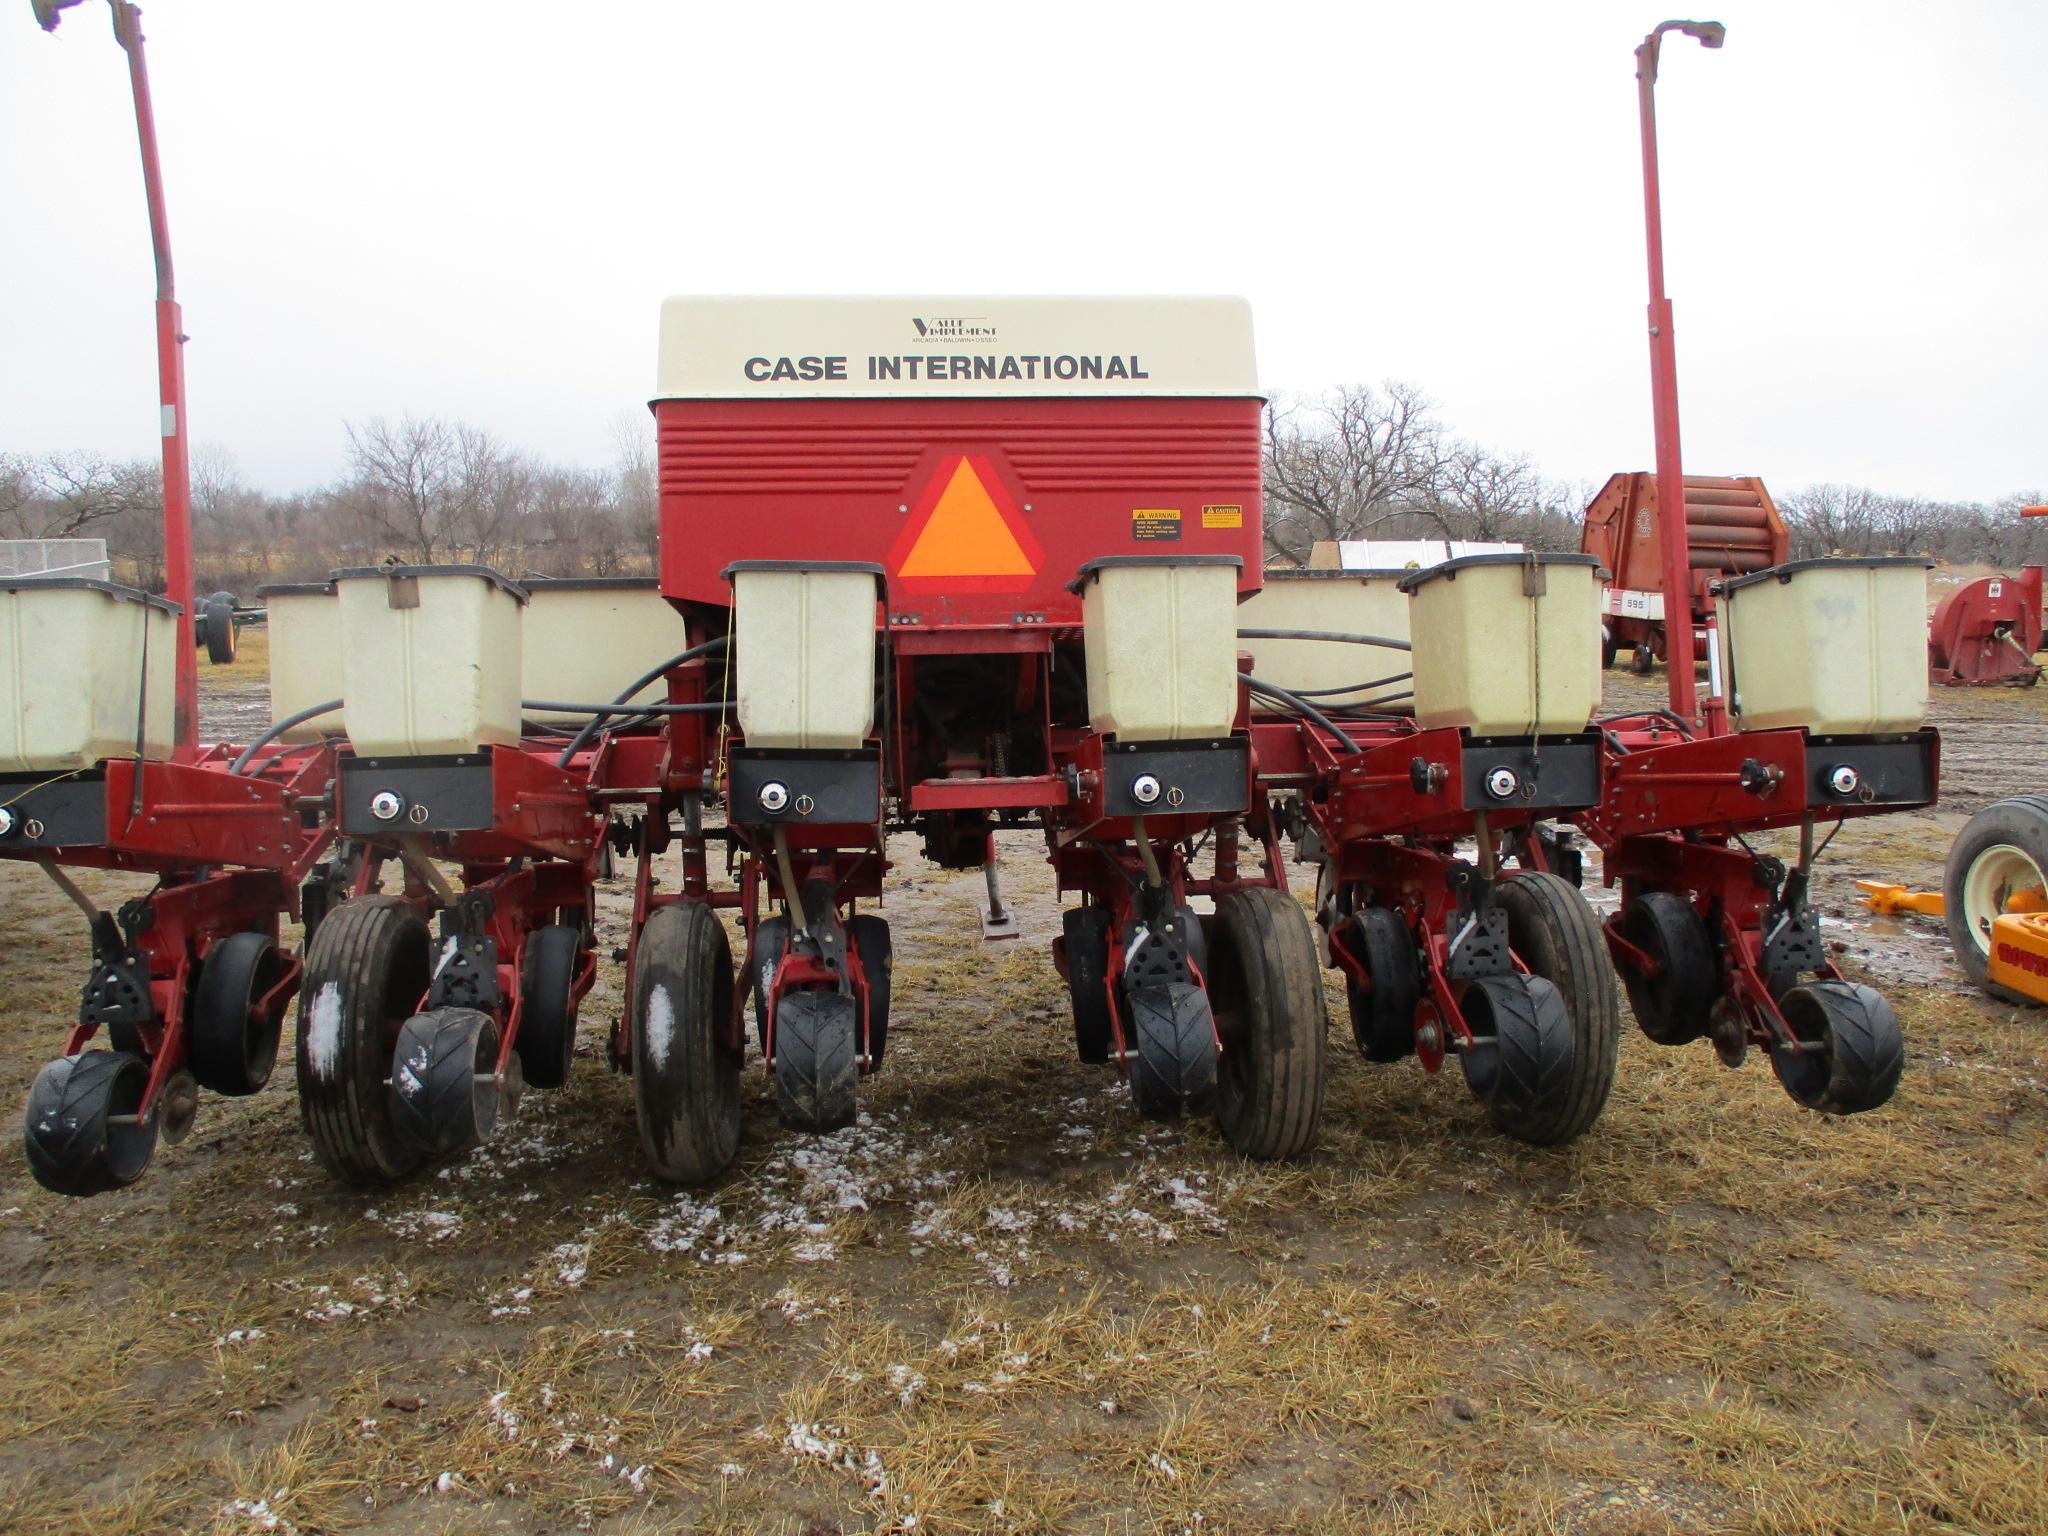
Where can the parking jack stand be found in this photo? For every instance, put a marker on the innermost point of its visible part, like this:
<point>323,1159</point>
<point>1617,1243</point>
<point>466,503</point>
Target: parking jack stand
<point>997,920</point>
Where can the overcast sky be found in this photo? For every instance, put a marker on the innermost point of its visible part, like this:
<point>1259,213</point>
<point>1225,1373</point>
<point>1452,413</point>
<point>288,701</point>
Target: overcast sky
<point>474,210</point>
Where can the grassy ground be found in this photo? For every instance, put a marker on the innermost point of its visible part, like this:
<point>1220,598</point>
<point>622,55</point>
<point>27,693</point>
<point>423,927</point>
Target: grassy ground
<point>1002,1303</point>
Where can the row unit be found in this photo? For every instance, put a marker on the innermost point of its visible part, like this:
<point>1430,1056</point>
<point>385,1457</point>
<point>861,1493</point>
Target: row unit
<point>436,659</point>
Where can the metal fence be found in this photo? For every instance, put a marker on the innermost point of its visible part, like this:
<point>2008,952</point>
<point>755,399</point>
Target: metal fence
<point>53,557</point>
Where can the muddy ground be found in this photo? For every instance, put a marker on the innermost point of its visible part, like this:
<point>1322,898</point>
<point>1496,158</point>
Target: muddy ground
<point>1002,1303</point>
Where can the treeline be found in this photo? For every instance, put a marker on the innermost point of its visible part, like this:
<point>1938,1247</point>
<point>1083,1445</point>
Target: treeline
<point>419,490</point>
<point>1360,462</point>
<point>1364,462</point>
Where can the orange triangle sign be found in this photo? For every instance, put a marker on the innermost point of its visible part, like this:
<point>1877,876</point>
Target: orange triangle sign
<point>964,536</point>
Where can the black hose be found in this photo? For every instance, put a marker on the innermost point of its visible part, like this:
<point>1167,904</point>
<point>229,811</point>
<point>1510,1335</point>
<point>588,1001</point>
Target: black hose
<point>1324,634</point>
<point>652,676</point>
<point>1303,708</point>
<point>714,707</point>
<point>1331,693</point>
<point>279,729</point>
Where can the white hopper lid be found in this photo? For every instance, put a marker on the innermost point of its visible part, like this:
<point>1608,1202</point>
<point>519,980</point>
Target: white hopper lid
<point>722,348</point>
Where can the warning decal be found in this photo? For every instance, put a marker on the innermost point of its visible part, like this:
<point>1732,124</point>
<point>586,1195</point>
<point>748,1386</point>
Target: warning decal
<point>964,535</point>
<point>1155,523</point>
<point>1218,516</point>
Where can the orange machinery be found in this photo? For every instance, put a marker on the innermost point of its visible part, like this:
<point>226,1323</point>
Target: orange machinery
<point>1732,528</point>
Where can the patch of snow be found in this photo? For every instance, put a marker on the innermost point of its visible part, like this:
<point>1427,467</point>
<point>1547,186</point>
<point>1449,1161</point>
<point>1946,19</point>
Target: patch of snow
<point>661,1027</point>
<point>323,1035</point>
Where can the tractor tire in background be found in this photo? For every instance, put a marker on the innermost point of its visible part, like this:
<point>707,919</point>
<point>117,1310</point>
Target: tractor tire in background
<point>1558,937</point>
<point>216,628</point>
<point>1996,865</point>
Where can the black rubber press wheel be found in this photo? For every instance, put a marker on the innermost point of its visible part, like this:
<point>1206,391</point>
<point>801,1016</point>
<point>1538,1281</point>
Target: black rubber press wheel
<point>1675,1006</point>
<point>80,1132</point>
<point>1383,1014</point>
<point>1856,1051</point>
<point>1522,1068</point>
<point>547,1017</point>
<point>232,1050</point>
<point>1085,932</point>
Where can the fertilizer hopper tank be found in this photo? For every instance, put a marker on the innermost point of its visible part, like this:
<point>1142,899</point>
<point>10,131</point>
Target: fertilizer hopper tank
<point>981,449</point>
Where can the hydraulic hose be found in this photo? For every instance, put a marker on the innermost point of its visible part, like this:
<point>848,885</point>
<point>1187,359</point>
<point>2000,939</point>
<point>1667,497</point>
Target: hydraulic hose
<point>279,729</point>
<point>653,675</point>
<point>1302,707</point>
<point>1323,634</point>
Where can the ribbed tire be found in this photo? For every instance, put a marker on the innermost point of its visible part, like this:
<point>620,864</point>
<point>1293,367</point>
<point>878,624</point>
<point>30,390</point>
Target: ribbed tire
<point>1865,1051</point>
<point>1266,988</point>
<point>1172,1050</point>
<point>366,971</point>
<point>437,1099</point>
<point>1558,937</point>
<point>1523,1074</point>
<point>817,1064</point>
<point>1675,1006</point>
<point>1084,932</point>
<point>1383,1016</point>
<point>869,937</point>
<point>547,1018</point>
<point>228,1048</point>
<point>686,1078</point>
<point>71,1147</point>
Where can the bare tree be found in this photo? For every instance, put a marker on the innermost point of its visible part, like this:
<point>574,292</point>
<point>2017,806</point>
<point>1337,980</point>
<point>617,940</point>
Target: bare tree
<point>64,495</point>
<point>427,486</point>
<point>1478,494</point>
<point>636,483</point>
<point>1341,464</point>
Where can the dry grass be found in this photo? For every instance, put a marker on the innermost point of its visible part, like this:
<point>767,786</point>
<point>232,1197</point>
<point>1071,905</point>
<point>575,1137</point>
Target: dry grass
<point>1005,1305</point>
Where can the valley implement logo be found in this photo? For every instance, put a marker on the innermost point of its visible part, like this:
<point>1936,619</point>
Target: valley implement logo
<point>954,328</point>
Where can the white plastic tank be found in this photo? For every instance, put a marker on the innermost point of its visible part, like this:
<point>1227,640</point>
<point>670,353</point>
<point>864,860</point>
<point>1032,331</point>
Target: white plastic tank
<point>1327,601</point>
<point>1507,645</point>
<point>804,643</point>
<point>1838,646</point>
<point>86,667</point>
<point>587,637</point>
<point>303,622</point>
<point>430,658</point>
<point>1160,633</point>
